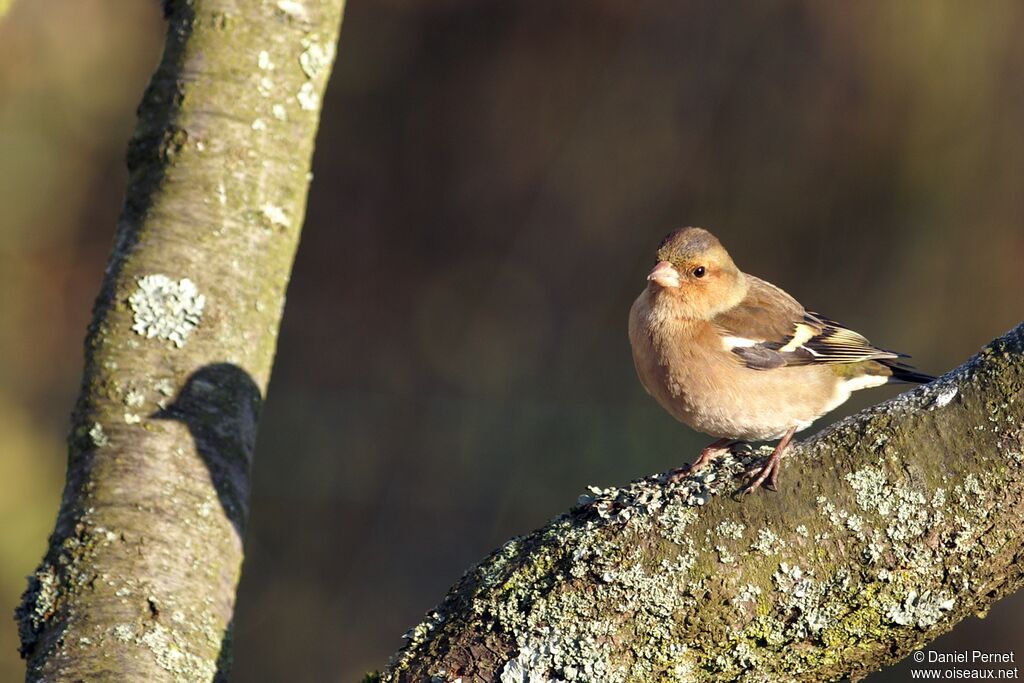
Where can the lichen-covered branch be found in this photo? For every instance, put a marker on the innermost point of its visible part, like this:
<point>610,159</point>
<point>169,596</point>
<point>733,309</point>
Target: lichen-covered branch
<point>138,582</point>
<point>888,528</point>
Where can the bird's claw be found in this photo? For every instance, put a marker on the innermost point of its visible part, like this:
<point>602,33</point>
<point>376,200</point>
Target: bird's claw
<point>766,477</point>
<point>708,454</point>
<point>678,474</point>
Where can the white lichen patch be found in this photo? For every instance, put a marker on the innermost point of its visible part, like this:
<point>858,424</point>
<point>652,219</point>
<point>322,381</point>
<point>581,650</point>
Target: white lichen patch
<point>97,436</point>
<point>855,523</point>
<point>742,655</point>
<point>165,309</point>
<point>263,61</point>
<point>748,594</point>
<point>315,58</point>
<point>682,668</point>
<point>674,524</point>
<point>45,586</point>
<point>921,611</point>
<point>971,492</point>
<point>419,633</point>
<point>768,542</point>
<point>873,552</point>
<point>123,632</point>
<point>870,486</point>
<point>724,555</point>
<point>897,516</point>
<point>945,395</point>
<point>293,8</point>
<point>813,602</point>
<point>172,653</point>
<point>529,666</point>
<point>133,398</point>
<point>730,529</point>
<point>274,215</point>
<point>265,86</point>
<point>205,509</point>
<point>307,97</point>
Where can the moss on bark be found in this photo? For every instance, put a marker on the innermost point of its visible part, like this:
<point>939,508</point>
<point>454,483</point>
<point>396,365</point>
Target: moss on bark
<point>888,528</point>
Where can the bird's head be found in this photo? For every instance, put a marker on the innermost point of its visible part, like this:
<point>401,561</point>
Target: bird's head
<point>696,272</point>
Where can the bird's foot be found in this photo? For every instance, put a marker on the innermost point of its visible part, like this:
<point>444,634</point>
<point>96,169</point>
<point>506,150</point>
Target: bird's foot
<point>707,455</point>
<point>678,474</point>
<point>768,475</point>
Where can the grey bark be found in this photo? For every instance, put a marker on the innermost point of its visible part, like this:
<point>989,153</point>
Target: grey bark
<point>138,582</point>
<point>888,528</point>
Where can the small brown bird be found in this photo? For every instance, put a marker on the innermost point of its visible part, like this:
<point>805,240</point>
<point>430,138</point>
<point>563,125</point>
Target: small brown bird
<point>739,359</point>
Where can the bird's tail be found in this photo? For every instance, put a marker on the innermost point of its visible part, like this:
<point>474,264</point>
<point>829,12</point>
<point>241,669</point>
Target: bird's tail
<point>905,374</point>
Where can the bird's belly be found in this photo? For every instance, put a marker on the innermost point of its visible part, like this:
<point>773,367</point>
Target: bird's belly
<point>744,423</point>
<point>745,405</point>
<point>715,394</point>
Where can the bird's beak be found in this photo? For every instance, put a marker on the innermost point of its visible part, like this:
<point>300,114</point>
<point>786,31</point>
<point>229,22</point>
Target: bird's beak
<point>665,275</point>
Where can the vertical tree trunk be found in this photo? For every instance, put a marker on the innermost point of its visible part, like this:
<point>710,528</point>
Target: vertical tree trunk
<point>139,579</point>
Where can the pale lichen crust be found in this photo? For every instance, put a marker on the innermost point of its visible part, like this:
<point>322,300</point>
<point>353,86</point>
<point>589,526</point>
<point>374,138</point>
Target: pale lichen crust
<point>163,308</point>
<point>869,551</point>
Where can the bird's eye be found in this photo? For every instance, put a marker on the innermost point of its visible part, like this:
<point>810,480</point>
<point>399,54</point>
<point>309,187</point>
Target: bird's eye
<point>698,271</point>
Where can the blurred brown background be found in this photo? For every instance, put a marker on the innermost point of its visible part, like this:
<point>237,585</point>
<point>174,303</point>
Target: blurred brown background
<point>490,181</point>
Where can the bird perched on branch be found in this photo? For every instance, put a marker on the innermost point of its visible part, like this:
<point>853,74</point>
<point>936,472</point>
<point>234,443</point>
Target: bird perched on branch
<point>739,359</point>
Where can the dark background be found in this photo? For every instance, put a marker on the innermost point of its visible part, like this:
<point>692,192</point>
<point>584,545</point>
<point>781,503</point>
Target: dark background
<point>491,179</point>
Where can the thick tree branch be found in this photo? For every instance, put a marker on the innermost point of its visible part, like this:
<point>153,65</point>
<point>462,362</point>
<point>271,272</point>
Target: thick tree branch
<point>888,528</point>
<point>139,579</point>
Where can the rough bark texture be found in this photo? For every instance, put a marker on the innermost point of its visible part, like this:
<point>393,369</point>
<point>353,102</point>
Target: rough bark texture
<point>139,579</point>
<point>887,529</point>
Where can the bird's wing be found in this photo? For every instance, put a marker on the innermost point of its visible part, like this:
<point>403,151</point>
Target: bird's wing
<point>770,329</point>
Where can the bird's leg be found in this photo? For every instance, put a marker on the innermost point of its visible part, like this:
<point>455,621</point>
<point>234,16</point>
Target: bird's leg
<point>710,452</point>
<point>769,473</point>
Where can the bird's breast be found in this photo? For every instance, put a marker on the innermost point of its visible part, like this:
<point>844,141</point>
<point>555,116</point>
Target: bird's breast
<point>685,367</point>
